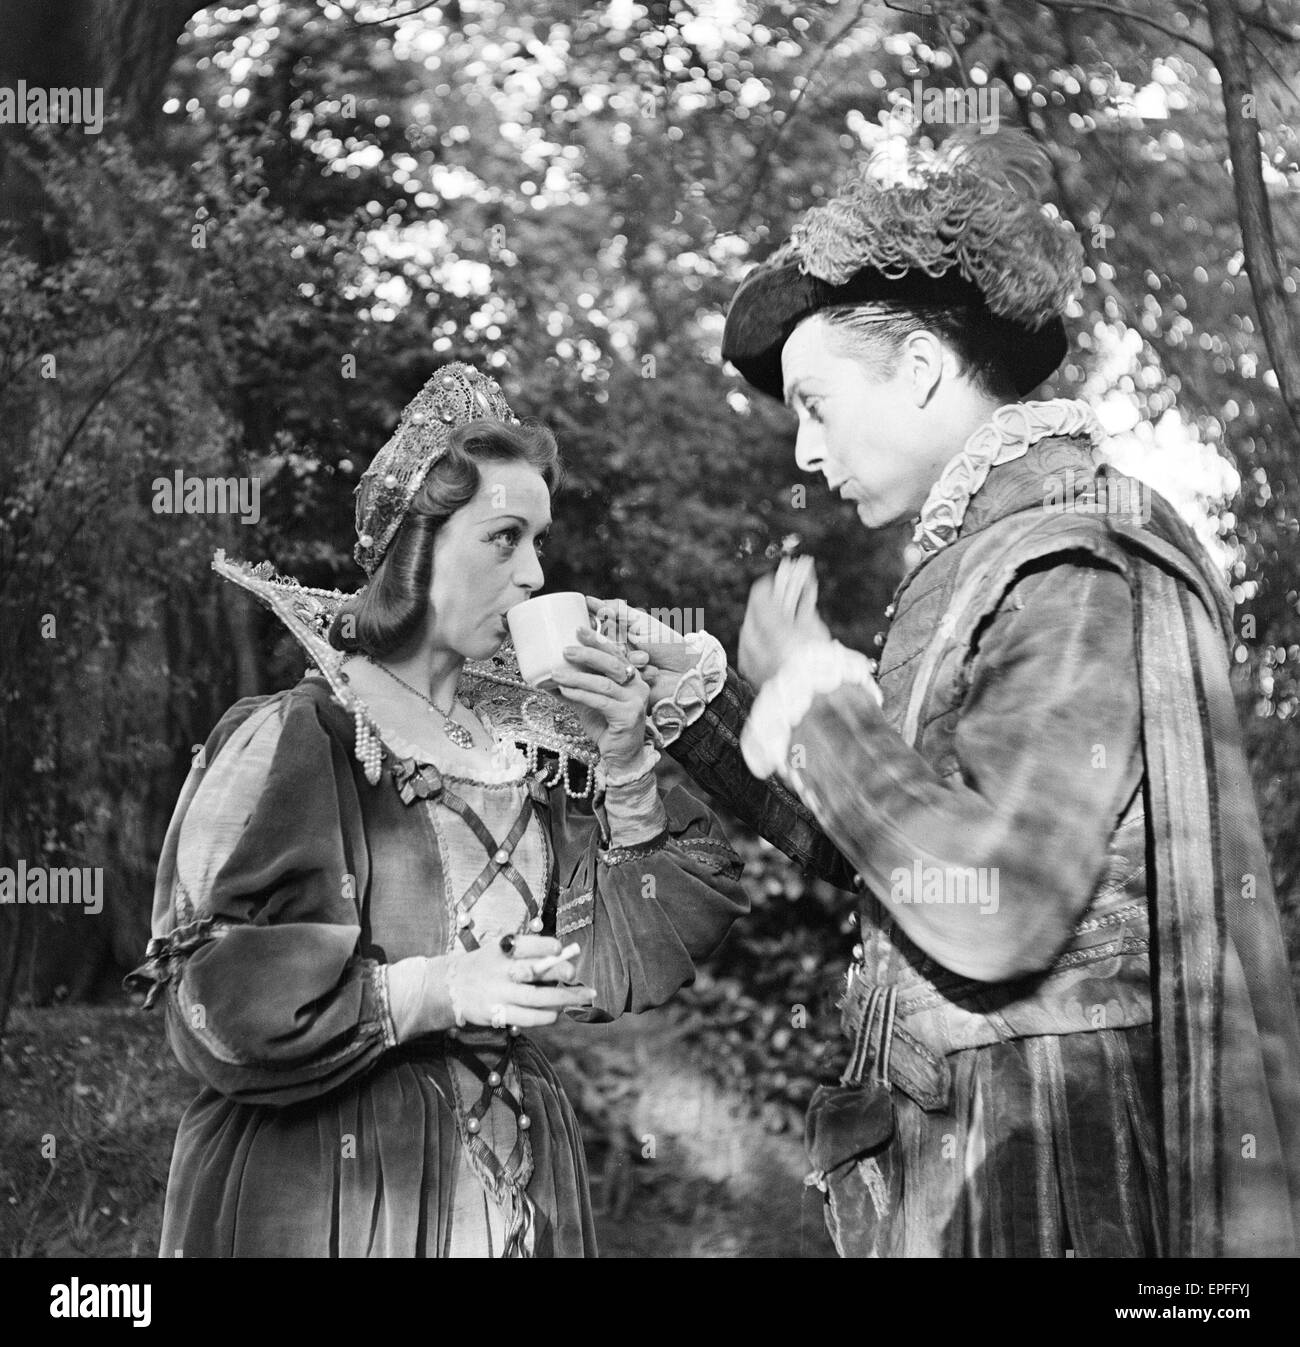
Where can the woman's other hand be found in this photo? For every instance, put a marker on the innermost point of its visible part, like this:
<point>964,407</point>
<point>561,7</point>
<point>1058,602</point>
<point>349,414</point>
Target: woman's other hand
<point>610,694</point>
<point>536,958</point>
<point>493,988</point>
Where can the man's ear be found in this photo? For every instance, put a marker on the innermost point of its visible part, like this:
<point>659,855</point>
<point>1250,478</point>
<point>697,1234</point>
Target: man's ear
<point>923,359</point>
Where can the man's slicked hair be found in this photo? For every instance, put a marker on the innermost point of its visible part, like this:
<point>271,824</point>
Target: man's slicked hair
<point>874,334</point>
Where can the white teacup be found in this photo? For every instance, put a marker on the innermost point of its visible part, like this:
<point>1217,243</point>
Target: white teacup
<point>541,628</point>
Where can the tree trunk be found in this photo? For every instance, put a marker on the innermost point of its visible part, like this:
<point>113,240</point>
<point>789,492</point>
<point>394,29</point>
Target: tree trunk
<point>122,47</point>
<point>1253,210</point>
<point>237,612</point>
<point>126,49</point>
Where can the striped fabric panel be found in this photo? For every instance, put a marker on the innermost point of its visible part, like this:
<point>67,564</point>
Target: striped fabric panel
<point>1188,914</point>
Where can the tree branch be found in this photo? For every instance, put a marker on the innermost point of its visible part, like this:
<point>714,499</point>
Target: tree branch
<point>776,133</point>
<point>150,341</point>
<point>1253,211</point>
<point>395,18</point>
<point>1274,30</point>
<point>1121,13</point>
<point>1069,206</point>
<point>1272,65</point>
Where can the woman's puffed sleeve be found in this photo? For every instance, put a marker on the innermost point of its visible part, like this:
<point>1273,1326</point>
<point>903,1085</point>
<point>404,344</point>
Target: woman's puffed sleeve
<point>643,914</point>
<point>268,999</point>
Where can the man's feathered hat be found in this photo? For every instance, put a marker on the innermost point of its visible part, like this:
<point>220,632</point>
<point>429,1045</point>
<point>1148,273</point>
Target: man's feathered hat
<point>958,225</point>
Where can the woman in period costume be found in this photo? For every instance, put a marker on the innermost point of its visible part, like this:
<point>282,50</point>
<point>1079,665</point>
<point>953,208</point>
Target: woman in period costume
<point>368,880</point>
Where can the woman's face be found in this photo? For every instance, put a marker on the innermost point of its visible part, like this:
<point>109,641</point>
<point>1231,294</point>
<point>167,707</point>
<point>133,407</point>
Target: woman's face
<point>486,559</point>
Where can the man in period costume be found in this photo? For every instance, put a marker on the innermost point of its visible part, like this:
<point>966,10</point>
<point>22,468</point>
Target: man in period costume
<point>1071,1021</point>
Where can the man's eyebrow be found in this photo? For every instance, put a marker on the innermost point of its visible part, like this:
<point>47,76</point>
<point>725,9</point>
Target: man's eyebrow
<point>796,390</point>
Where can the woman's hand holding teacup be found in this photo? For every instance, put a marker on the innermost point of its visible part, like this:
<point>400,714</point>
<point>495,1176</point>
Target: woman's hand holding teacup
<point>662,655</point>
<point>603,679</point>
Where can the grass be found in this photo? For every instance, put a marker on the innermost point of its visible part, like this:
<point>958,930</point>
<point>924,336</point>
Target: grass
<point>90,1101</point>
<point>90,1098</point>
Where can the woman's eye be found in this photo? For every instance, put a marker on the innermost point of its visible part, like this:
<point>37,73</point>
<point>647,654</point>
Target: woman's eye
<point>508,539</point>
<point>814,410</point>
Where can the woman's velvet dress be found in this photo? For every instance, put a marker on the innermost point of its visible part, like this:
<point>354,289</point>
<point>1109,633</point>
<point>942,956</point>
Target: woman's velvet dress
<point>289,884</point>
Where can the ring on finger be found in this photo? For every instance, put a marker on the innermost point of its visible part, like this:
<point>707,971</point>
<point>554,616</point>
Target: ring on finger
<point>629,673</point>
<point>498,1016</point>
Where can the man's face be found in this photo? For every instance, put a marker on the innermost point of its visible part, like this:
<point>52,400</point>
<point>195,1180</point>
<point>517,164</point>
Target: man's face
<point>863,433</point>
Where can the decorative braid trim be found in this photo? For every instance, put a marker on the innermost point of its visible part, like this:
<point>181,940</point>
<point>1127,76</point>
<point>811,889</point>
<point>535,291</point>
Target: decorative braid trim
<point>621,855</point>
<point>1007,435</point>
<point>574,914</point>
<point>717,855</point>
<point>379,981</point>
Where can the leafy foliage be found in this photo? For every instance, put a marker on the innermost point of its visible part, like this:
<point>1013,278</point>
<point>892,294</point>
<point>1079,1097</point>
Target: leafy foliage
<point>566,196</point>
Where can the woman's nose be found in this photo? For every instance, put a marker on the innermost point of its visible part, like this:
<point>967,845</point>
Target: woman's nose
<point>809,447</point>
<point>530,574</point>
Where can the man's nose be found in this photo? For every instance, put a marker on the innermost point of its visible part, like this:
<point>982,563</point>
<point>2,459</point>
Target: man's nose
<point>809,447</point>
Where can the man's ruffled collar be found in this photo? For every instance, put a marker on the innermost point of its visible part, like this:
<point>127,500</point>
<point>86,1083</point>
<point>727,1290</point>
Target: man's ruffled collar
<point>1007,435</point>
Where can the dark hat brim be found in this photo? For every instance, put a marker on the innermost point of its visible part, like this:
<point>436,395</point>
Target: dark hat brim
<point>773,300</point>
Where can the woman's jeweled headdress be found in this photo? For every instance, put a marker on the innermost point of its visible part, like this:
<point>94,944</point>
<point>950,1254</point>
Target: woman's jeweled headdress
<point>454,395</point>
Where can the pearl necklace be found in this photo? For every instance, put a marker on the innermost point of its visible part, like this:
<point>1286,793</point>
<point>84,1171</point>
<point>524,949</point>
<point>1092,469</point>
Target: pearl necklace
<point>458,734</point>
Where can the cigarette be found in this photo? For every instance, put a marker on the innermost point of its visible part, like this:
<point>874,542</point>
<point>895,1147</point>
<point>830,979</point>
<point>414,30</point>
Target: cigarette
<point>545,965</point>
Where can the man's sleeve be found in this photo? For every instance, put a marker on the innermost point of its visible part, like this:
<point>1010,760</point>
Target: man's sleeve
<point>709,749</point>
<point>1044,757</point>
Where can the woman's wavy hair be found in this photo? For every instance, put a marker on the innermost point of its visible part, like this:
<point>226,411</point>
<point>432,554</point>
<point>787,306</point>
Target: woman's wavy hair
<point>391,611</point>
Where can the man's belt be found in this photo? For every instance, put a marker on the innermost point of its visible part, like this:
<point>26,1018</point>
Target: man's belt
<point>933,1017</point>
<point>921,1074</point>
